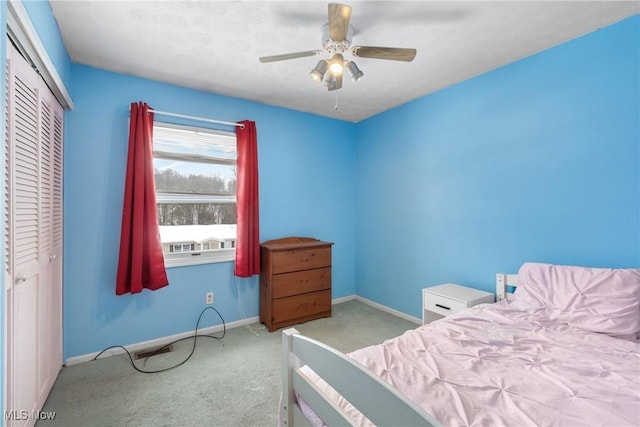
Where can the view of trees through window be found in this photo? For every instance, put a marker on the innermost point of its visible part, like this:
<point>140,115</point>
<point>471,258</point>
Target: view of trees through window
<point>195,212</point>
<point>196,174</point>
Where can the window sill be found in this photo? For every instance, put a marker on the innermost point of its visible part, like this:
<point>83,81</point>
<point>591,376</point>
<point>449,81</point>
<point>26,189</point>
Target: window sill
<point>183,261</point>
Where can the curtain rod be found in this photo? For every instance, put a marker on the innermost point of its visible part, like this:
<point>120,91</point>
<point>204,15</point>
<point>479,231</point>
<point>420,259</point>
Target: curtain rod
<point>202,119</point>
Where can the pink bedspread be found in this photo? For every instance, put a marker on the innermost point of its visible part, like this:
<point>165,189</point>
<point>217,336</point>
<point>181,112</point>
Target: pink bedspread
<point>496,366</point>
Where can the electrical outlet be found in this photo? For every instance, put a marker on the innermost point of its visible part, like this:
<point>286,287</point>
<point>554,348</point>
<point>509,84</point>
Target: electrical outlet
<point>209,298</point>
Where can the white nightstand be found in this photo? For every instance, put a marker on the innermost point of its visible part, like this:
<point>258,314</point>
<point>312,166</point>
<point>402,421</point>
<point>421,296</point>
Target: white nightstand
<point>444,300</point>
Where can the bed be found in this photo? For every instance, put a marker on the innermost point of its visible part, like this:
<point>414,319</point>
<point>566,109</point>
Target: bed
<point>563,349</point>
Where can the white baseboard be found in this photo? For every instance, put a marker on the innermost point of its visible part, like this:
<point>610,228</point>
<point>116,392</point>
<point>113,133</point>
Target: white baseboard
<point>389,310</point>
<point>343,299</point>
<point>158,342</point>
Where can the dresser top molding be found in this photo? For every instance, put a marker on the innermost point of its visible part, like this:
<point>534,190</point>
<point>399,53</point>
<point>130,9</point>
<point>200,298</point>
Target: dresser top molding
<point>294,243</point>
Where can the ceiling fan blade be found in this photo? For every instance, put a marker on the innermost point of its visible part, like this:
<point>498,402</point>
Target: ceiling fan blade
<point>285,56</point>
<point>339,16</point>
<point>338,84</point>
<point>392,53</point>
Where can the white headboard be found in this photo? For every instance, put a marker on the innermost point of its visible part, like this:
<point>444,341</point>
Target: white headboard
<point>502,281</point>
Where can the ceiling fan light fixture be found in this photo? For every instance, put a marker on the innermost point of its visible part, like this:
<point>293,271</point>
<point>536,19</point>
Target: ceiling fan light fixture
<point>336,65</point>
<point>336,42</point>
<point>355,72</point>
<point>330,82</point>
<point>318,72</point>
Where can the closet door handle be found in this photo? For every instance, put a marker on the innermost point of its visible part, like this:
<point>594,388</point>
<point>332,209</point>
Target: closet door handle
<point>52,257</point>
<point>21,279</point>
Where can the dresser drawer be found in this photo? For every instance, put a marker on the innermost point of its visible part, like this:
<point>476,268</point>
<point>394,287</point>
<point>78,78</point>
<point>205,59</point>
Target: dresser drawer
<point>301,282</point>
<point>301,305</point>
<point>300,259</point>
<point>442,305</point>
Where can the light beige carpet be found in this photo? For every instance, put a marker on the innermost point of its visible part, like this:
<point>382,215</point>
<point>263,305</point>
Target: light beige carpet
<point>234,382</point>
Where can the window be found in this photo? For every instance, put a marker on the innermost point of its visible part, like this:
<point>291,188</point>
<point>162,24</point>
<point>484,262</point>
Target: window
<point>195,173</point>
<point>181,247</point>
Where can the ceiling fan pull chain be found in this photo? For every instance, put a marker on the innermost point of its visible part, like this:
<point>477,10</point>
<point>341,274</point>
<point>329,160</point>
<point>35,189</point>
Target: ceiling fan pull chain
<point>336,106</point>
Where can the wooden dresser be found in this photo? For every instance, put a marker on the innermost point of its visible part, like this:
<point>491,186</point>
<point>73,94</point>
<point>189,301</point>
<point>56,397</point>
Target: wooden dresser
<point>295,281</point>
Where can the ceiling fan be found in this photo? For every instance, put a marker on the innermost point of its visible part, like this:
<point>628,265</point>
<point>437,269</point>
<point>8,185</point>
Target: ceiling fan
<point>336,41</point>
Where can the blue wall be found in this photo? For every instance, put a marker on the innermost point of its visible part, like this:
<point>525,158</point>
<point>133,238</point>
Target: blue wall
<point>41,16</point>
<point>536,161</point>
<point>307,187</point>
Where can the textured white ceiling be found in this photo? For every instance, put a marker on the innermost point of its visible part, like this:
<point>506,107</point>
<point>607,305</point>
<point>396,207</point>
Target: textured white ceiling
<point>215,45</point>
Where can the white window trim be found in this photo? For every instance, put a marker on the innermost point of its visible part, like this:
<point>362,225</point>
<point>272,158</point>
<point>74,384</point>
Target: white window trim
<point>178,259</point>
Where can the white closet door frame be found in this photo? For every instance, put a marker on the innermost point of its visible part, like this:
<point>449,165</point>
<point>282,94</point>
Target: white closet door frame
<point>24,34</point>
<point>33,271</point>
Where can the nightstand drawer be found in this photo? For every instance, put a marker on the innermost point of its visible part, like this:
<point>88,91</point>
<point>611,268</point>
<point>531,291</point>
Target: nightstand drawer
<point>442,305</point>
<point>445,300</point>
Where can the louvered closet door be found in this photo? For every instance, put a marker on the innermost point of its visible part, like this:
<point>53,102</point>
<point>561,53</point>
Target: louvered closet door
<point>24,238</point>
<point>33,227</point>
<point>8,247</point>
<point>50,239</point>
<point>55,257</point>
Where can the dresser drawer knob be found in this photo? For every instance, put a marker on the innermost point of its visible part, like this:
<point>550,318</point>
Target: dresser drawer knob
<point>306,304</point>
<point>442,306</point>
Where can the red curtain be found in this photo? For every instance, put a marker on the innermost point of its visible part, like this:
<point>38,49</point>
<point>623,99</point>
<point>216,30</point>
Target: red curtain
<point>141,263</point>
<point>248,231</point>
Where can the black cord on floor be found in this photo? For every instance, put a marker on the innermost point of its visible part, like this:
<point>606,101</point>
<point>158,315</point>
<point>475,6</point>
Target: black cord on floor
<point>160,350</point>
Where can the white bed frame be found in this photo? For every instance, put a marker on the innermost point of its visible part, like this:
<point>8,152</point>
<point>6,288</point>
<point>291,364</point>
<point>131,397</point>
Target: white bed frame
<point>503,282</point>
<point>368,393</point>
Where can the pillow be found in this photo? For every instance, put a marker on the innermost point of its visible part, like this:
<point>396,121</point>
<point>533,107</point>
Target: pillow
<point>594,299</point>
